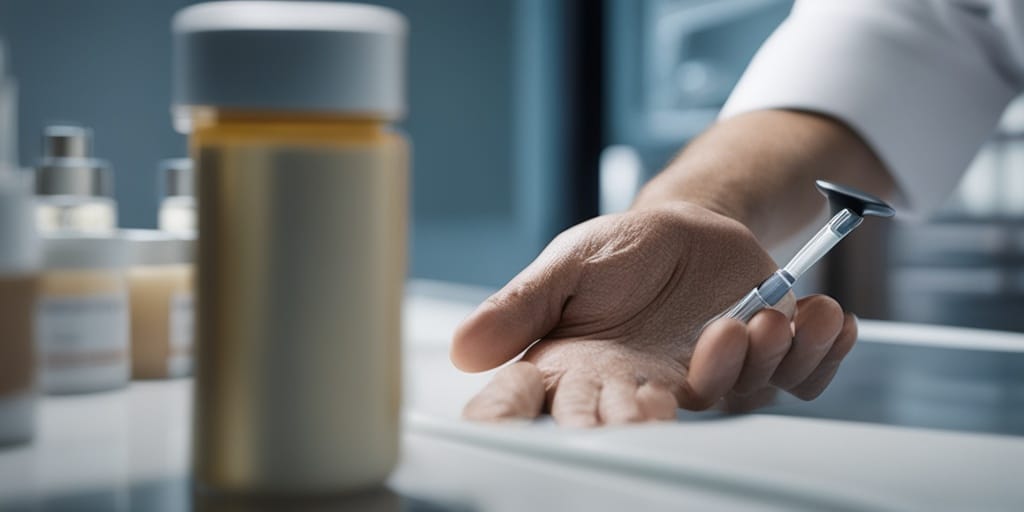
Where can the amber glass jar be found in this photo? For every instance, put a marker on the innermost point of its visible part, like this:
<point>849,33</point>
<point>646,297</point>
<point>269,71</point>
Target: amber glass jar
<point>301,193</point>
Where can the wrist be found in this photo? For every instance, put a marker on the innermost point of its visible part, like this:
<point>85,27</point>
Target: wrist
<point>682,185</point>
<point>759,169</point>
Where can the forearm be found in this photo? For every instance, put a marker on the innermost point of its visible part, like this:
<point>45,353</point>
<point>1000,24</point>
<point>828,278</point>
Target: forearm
<point>759,168</point>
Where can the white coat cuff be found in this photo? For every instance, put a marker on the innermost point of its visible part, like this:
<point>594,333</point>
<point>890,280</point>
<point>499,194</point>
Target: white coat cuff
<point>920,93</point>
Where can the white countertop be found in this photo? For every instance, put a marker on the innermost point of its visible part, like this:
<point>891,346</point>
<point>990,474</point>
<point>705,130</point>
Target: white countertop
<point>128,450</point>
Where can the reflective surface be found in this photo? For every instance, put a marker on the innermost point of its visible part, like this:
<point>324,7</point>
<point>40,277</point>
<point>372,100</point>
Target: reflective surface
<point>173,495</point>
<point>942,388</point>
<point>861,446</point>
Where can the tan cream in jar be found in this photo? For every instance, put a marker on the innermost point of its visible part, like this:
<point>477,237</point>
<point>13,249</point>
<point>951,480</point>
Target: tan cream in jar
<point>82,314</point>
<point>160,294</point>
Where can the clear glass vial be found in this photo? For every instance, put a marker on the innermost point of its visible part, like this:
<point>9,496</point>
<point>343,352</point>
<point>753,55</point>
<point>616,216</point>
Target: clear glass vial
<point>75,192</point>
<point>302,219</point>
<point>178,206</point>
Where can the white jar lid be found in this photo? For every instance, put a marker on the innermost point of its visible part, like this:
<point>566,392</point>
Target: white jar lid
<point>155,247</point>
<point>19,243</point>
<point>290,56</point>
<point>83,252</point>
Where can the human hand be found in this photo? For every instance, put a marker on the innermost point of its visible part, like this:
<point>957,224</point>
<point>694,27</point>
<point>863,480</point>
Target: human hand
<point>619,303</point>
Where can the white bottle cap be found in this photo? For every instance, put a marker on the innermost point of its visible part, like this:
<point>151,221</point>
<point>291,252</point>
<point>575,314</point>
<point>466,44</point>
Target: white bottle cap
<point>289,56</point>
<point>19,243</point>
<point>177,177</point>
<point>68,169</point>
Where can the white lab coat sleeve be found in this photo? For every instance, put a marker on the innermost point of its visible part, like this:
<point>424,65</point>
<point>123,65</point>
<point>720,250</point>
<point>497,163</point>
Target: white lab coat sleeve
<point>922,82</point>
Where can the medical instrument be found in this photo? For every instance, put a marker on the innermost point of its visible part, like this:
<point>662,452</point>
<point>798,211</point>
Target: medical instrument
<point>849,207</point>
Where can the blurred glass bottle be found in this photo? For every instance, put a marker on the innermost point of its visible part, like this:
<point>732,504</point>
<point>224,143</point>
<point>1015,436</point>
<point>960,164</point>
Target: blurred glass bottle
<point>302,219</point>
<point>75,192</point>
<point>19,283</point>
<point>19,280</point>
<point>178,203</point>
<point>8,115</point>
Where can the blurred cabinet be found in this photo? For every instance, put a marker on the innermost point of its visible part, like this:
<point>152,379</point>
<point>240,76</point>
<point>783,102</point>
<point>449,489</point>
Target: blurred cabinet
<point>673,63</point>
<point>966,266</point>
<point>502,95</point>
<point>671,66</point>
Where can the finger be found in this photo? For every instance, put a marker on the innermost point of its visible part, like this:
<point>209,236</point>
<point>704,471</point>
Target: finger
<point>816,383</point>
<point>526,309</point>
<point>656,402</point>
<point>770,336</point>
<point>786,306</point>
<point>516,391</point>
<point>575,400</point>
<point>818,320</point>
<point>618,402</point>
<point>738,404</point>
<point>716,364</point>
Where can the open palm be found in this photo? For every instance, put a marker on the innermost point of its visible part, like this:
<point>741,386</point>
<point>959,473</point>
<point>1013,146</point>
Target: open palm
<point>619,305</point>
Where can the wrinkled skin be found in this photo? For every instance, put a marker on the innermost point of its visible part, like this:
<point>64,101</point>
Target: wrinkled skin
<point>619,306</point>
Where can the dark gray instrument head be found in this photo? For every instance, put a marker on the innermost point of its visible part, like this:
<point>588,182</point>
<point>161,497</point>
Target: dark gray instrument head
<point>863,204</point>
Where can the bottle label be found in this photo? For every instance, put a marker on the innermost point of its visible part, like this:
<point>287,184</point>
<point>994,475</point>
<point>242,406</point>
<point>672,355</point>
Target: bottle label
<point>182,325</point>
<point>82,331</point>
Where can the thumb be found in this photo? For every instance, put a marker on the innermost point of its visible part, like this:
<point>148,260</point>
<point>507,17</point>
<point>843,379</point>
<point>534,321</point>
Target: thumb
<point>522,312</point>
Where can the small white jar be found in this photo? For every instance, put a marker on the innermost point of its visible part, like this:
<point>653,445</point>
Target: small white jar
<point>160,291</point>
<point>82,315</point>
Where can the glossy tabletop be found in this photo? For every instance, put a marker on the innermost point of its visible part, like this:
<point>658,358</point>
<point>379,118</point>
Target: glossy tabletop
<point>919,418</point>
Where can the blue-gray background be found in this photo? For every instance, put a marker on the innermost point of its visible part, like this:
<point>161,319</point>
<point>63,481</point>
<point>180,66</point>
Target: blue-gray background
<point>485,177</point>
<point>495,115</point>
